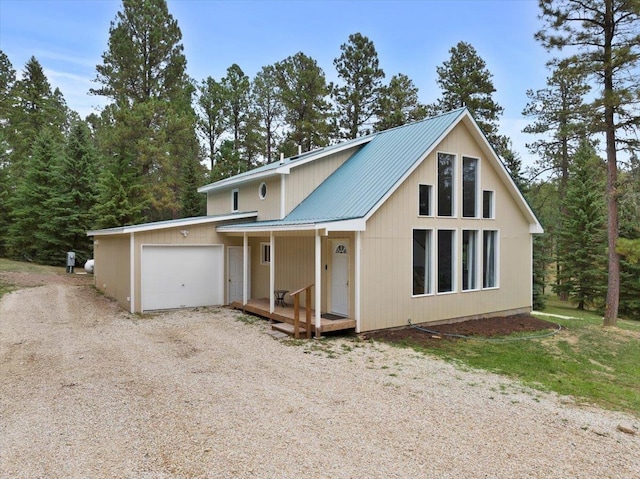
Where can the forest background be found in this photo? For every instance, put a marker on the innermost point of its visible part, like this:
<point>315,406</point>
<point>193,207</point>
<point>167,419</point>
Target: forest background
<point>161,134</point>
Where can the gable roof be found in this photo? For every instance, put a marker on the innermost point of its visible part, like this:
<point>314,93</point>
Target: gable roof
<point>283,166</point>
<point>352,193</point>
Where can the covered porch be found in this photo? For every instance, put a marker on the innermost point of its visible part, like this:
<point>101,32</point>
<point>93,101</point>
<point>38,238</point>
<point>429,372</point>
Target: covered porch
<point>314,267</point>
<point>283,318</point>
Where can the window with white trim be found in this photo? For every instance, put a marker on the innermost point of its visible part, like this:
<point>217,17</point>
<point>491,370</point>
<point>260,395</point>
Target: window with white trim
<point>487,204</point>
<point>235,196</point>
<point>425,200</point>
<point>489,259</point>
<point>422,260</point>
<point>469,187</point>
<point>265,253</point>
<point>446,260</point>
<point>446,185</point>
<point>469,260</point>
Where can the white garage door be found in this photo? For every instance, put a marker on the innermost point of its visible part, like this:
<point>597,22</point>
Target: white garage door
<point>181,276</point>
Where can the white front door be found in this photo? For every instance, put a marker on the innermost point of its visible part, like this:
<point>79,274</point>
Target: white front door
<point>235,275</point>
<point>340,277</point>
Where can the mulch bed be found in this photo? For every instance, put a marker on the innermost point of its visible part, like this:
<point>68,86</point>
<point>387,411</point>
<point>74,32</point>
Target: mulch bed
<point>485,328</point>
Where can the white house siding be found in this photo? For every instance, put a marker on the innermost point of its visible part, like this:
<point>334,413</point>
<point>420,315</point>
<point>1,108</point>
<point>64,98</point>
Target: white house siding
<point>387,248</point>
<point>219,202</point>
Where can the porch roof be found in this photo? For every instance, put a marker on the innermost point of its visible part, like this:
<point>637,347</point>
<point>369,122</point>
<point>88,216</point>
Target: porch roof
<point>194,220</point>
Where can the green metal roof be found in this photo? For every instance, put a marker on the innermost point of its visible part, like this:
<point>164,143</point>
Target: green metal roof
<point>365,178</point>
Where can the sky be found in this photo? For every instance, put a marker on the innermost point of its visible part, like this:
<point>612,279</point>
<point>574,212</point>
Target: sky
<point>413,37</point>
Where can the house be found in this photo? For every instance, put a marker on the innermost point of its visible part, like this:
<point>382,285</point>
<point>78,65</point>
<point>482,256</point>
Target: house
<point>419,222</point>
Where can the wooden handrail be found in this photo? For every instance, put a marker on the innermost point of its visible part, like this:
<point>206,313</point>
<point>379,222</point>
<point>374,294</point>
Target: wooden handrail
<point>296,311</point>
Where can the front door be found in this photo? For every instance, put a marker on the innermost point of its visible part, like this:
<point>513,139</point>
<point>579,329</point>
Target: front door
<point>235,276</point>
<point>340,277</point>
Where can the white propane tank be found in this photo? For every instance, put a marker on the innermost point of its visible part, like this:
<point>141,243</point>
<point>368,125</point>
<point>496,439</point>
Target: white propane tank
<point>88,266</point>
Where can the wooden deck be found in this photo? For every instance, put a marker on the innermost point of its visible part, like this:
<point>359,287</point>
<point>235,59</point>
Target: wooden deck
<point>285,315</point>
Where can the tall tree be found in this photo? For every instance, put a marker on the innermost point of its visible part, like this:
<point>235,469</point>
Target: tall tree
<point>7,79</point>
<point>144,73</point>
<point>303,93</point>
<point>466,81</point>
<point>605,36</point>
<point>237,86</point>
<point>398,104</point>
<point>558,113</point>
<point>582,239</point>
<point>629,241</point>
<point>212,121</point>
<point>268,109</point>
<point>356,99</point>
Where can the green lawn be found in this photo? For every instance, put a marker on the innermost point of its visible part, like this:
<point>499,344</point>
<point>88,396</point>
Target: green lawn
<point>585,360</point>
<point>10,266</point>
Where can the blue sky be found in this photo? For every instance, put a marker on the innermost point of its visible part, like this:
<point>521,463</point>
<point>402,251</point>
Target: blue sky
<point>413,37</point>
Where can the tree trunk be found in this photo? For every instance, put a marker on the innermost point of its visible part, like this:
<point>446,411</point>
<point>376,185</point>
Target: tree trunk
<point>613,284</point>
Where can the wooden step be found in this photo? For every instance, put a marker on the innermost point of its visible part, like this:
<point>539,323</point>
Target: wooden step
<point>287,328</point>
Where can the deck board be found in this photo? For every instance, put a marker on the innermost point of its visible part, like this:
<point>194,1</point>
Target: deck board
<point>284,314</point>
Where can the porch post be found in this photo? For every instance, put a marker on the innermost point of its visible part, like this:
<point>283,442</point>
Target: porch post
<point>132,275</point>
<point>272,272</point>
<point>245,268</point>
<point>357,280</point>
<point>318,282</point>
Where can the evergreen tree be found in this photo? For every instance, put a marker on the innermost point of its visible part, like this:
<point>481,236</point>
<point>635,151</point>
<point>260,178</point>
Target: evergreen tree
<point>237,86</point>
<point>268,110</point>
<point>604,38</point>
<point>398,104</point>
<point>7,79</point>
<point>465,81</point>
<point>357,97</point>
<point>26,239</point>
<point>582,240</point>
<point>228,162</point>
<point>144,73</point>
<point>629,241</point>
<point>303,93</point>
<point>212,122</point>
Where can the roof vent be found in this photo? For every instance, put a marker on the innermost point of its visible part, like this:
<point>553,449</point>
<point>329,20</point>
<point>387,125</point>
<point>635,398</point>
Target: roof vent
<point>299,150</point>
<point>282,158</point>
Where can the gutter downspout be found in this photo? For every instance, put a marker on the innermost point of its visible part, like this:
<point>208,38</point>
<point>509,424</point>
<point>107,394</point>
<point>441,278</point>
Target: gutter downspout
<point>272,272</point>
<point>318,282</point>
<point>358,279</point>
<point>245,269</point>
<point>282,195</point>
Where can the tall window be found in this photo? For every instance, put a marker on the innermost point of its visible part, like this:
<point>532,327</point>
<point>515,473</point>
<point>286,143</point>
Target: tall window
<point>422,283</point>
<point>425,200</point>
<point>265,253</point>
<point>489,259</point>
<point>446,252</point>
<point>234,200</point>
<point>469,186</point>
<point>446,165</point>
<point>469,260</point>
<point>487,204</point>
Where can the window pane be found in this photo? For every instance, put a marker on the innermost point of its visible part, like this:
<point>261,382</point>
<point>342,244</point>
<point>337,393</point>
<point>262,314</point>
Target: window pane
<point>489,256</point>
<point>469,262</point>
<point>425,200</point>
<point>487,204</point>
<point>421,262</point>
<point>445,261</point>
<point>469,186</point>
<point>235,200</point>
<point>445,184</point>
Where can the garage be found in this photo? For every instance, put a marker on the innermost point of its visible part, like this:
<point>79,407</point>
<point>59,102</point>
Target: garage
<point>181,276</point>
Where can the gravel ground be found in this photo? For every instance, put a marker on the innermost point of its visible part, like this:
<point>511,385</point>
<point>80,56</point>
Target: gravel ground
<point>87,390</point>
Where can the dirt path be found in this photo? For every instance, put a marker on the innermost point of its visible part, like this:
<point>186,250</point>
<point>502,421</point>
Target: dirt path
<point>87,390</point>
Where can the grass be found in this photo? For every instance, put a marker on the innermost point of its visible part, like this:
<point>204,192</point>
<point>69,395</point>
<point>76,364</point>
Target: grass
<point>9,266</point>
<point>595,365</point>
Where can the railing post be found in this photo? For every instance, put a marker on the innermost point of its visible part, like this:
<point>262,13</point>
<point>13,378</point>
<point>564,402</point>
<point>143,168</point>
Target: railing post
<point>296,317</point>
<point>307,300</point>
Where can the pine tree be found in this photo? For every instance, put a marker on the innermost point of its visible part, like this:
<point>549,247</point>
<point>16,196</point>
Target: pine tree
<point>268,110</point>
<point>604,39</point>
<point>303,93</point>
<point>26,239</point>
<point>144,73</point>
<point>356,99</point>
<point>629,241</point>
<point>466,81</point>
<point>212,122</point>
<point>582,240</point>
<point>398,104</point>
<point>237,85</point>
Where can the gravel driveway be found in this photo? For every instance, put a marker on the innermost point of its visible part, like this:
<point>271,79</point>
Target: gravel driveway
<point>87,390</point>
